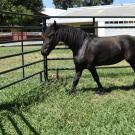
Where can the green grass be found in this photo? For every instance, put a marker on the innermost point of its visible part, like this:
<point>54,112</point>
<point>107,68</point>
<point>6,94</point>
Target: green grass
<point>34,108</point>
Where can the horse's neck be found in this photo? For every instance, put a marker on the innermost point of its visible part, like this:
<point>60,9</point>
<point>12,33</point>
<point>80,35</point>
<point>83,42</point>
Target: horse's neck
<point>72,39</point>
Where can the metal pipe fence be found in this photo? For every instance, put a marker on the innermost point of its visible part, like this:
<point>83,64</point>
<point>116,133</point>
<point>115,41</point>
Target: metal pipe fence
<point>22,53</point>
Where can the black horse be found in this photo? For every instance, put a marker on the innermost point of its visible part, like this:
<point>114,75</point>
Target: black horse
<point>89,51</point>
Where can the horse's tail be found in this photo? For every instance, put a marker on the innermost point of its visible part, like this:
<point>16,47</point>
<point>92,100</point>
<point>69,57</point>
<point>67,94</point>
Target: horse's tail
<point>129,47</point>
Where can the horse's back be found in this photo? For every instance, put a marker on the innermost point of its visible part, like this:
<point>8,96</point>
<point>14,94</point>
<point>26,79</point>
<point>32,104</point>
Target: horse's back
<point>110,50</point>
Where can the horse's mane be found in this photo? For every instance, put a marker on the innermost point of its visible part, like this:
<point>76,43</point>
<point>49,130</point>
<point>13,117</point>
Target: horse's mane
<point>77,32</point>
<point>73,34</point>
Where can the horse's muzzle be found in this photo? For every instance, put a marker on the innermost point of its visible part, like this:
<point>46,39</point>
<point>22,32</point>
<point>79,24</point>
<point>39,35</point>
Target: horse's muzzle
<point>44,52</point>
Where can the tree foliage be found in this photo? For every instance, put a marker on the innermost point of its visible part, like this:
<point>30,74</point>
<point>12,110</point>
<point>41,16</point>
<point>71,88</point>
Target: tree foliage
<point>34,5</point>
<point>97,2</point>
<point>19,6</point>
<point>67,3</point>
<point>64,4</point>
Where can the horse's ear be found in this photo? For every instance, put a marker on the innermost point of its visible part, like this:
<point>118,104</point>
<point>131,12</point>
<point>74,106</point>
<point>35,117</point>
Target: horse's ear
<point>55,24</point>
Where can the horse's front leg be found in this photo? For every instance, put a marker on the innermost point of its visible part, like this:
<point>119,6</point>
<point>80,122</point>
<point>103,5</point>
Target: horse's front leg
<point>100,89</point>
<point>75,80</point>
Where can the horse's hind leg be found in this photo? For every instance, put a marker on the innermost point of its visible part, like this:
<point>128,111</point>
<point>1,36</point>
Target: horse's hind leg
<point>93,71</point>
<point>132,64</point>
<point>133,67</point>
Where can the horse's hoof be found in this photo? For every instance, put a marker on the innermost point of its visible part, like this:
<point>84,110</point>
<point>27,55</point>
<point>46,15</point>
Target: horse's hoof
<point>71,92</point>
<point>100,91</point>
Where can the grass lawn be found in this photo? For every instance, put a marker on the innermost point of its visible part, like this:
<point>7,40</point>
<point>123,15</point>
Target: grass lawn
<point>34,108</point>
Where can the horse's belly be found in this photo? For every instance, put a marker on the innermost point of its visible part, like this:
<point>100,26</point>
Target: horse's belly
<point>108,60</point>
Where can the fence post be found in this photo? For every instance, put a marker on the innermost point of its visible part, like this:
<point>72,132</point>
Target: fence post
<point>94,32</point>
<point>57,74</point>
<point>22,47</point>
<point>44,26</point>
<point>41,79</point>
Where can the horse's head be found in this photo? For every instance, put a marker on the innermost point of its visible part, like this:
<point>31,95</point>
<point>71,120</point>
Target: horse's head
<point>49,37</point>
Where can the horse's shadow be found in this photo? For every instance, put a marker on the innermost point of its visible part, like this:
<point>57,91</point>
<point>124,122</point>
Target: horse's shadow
<point>110,89</point>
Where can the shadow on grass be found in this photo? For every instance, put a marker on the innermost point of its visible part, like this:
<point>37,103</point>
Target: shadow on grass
<point>32,129</point>
<point>42,92</point>
<point>29,98</point>
<point>14,124</point>
<point>35,95</point>
<point>3,131</point>
<point>110,89</point>
<point>111,74</point>
<point>11,119</point>
<point>38,95</point>
<point>15,107</point>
